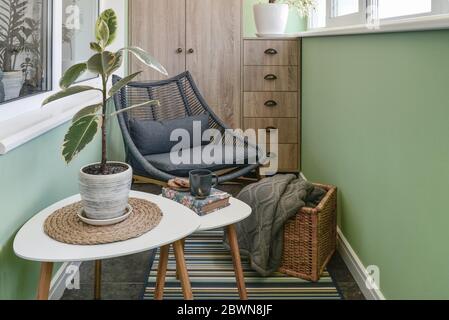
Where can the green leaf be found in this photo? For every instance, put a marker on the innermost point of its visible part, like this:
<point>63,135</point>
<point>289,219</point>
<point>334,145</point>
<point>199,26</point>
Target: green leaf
<point>119,85</point>
<point>102,32</point>
<point>147,59</point>
<point>105,63</point>
<point>112,62</point>
<point>72,74</point>
<point>95,64</point>
<point>96,47</point>
<point>80,134</point>
<point>87,111</point>
<point>68,92</point>
<point>110,18</point>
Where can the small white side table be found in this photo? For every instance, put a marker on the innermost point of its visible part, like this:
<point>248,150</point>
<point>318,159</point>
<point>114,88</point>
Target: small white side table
<point>227,217</point>
<point>178,222</point>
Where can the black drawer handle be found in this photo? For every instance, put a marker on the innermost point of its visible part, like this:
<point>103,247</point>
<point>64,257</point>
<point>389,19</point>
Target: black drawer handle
<point>271,103</point>
<point>271,51</point>
<point>270,77</point>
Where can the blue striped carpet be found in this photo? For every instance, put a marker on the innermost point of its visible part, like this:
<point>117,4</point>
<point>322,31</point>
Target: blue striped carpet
<point>212,276</point>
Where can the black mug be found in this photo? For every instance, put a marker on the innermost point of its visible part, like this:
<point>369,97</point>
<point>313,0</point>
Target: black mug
<point>201,183</point>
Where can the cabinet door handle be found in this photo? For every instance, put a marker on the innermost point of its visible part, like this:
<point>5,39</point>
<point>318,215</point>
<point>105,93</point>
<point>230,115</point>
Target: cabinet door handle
<point>271,51</point>
<point>270,77</point>
<point>191,50</point>
<point>268,129</point>
<point>271,103</point>
<point>179,50</point>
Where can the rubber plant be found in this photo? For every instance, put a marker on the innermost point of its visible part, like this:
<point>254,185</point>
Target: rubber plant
<point>303,6</point>
<point>85,123</point>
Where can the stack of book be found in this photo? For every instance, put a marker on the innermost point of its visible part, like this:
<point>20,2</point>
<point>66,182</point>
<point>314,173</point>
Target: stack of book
<point>216,201</point>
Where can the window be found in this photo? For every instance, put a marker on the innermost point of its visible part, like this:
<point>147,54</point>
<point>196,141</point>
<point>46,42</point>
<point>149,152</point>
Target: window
<point>345,12</point>
<point>24,48</point>
<point>340,13</point>
<point>78,23</point>
<point>397,8</point>
<point>344,7</point>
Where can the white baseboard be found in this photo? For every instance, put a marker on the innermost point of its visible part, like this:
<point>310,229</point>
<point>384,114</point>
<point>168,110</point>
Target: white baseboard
<point>357,268</point>
<point>58,283</point>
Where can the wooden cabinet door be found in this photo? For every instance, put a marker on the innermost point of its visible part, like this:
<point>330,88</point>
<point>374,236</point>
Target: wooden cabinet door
<point>213,32</point>
<point>158,26</point>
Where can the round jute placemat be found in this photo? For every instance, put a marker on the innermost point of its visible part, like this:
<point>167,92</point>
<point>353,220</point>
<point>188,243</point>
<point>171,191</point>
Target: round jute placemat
<point>65,226</point>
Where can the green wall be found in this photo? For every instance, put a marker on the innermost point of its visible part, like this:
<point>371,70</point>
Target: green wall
<point>376,124</point>
<point>295,22</point>
<point>31,178</point>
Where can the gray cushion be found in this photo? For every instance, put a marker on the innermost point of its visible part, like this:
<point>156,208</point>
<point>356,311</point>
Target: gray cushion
<point>153,137</point>
<point>232,157</point>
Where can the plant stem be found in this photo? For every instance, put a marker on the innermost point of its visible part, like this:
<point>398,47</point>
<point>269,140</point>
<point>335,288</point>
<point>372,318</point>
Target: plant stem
<point>103,128</point>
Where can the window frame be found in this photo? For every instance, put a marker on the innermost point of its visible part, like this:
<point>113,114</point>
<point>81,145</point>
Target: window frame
<point>438,7</point>
<point>48,15</point>
<point>363,20</point>
<point>345,20</point>
<point>23,105</point>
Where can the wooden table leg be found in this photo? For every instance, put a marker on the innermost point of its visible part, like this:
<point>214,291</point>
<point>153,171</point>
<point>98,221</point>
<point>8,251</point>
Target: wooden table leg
<point>161,273</point>
<point>182,269</point>
<point>183,249</point>
<point>235,252</point>
<point>97,288</point>
<point>43,290</point>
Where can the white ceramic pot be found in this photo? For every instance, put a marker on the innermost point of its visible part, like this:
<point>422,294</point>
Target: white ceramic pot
<point>271,18</point>
<point>105,197</point>
<point>12,82</point>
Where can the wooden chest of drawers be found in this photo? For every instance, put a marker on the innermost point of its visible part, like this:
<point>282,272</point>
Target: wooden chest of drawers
<point>271,94</point>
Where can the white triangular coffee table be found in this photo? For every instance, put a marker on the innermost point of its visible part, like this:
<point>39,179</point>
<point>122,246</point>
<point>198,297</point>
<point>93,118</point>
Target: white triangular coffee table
<point>227,218</point>
<point>178,222</point>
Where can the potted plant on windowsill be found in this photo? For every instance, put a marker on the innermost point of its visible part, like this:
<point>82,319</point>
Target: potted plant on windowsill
<point>104,186</point>
<point>271,18</point>
<point>13,34</point>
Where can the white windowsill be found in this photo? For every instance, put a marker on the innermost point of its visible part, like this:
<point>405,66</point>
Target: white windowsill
<point>435,22</point>
<point>21,129</point>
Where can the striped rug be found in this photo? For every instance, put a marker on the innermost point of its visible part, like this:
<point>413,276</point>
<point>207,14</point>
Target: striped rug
<point>212,276</point>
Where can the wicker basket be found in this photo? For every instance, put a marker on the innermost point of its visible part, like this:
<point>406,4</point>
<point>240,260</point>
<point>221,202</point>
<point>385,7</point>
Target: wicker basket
<point>310,238</point>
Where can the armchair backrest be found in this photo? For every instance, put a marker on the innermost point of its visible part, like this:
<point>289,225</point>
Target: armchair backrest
<point>178,97</point>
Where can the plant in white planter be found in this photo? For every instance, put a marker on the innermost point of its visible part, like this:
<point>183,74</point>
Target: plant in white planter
<point>104,186</point>
<point>271,18</point>
<point>13,33</point>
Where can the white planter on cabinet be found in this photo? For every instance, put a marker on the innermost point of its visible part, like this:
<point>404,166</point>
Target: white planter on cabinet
<point>271,18</point>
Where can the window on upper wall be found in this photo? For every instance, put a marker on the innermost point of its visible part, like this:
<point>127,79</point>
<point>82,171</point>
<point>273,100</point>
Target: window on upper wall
<point>337,13</point>
<point>25,42</point>
<point>79,18</point>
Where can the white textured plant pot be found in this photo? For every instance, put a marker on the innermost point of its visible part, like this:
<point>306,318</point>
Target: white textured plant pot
<point>271,18</point>
<point>12,82</point>
<point>105,197</point>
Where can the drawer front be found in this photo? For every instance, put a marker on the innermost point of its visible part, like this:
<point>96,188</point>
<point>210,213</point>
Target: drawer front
<point>287,157</point>
<point>270,78</point>
<point>271,53</point>
<point>288,127</point>
<point>270,104</point>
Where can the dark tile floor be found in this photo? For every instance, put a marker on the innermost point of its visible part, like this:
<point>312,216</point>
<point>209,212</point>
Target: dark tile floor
<point>124,278</point>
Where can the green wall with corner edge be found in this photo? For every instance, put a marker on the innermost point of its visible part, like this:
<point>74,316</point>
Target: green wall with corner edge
<point>375,111</point>
<point>33,177</point>
<point>375,123</point>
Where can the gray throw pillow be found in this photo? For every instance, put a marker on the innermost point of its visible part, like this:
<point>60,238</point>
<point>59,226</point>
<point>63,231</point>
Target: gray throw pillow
<point>153,137</point>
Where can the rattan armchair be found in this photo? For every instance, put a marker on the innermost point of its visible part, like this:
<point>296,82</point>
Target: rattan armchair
<point>179,98</point>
